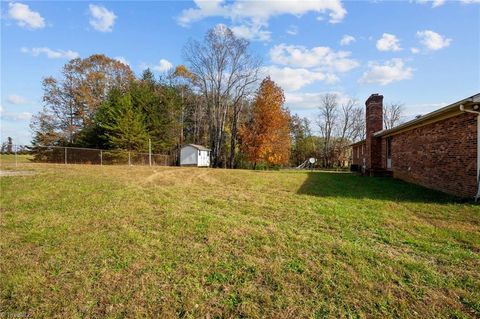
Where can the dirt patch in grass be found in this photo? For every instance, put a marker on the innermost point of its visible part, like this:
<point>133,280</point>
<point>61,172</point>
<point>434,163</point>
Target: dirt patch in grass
<point>16,173</point>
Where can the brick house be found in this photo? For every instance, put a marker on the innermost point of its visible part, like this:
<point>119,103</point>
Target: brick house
<point>439,150</point>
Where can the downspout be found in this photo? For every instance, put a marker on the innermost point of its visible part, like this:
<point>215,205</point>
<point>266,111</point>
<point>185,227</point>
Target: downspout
<point>475,107</point>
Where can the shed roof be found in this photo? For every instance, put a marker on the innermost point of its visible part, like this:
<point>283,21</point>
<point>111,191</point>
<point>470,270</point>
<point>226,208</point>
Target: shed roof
<point>198,147</point>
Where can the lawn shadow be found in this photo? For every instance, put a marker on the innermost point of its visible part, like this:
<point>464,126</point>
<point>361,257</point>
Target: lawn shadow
<point>330,184</point>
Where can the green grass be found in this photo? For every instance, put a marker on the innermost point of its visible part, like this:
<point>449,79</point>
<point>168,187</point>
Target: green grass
<point>131,242</point>
<point>7,160</point>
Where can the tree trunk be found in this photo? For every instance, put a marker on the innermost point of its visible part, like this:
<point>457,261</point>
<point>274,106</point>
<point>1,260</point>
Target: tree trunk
<point>233,141</point>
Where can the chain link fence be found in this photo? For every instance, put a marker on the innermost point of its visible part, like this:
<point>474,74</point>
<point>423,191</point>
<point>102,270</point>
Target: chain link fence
<point>17,154</point>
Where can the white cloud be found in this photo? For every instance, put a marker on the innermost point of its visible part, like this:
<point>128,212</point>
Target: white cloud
<point>347,39</point>
<point>388,42</point>
<point>297,66</point>
<point>308,101</point>
<point>391,71</point>
<point>292,30</point>
<point>163,66</point>
<point>23,116</point>
<point>121,59</point>
<point>251,32</point>
<point>101,18</point>
<point>51,54</point>
<point>260,10</point>
<point>432,40</point>
<point>16,99</point>
<point>413,110</point>
<point>415,50</point>
<point>291,79</point>
<point>320,57</point>
<point>435,3</point>
<point>14,116</point>
<point>25,17</point>
<point>254,15</point>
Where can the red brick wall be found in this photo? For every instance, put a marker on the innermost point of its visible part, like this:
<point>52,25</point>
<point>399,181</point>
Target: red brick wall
<point>383,158</point>
<point>354,155</point>
<point>441,155</point>
<point>357,149</point>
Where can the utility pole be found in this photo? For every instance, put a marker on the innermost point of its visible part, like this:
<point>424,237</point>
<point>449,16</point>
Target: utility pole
<point>182,117</point>
<point>150,152</point>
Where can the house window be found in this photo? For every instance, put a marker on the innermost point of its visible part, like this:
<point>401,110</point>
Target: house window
<point>362,148</point>
<point>358,150</point>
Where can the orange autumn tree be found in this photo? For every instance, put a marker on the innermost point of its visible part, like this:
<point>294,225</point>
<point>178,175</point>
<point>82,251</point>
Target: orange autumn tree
<point>266,137</point>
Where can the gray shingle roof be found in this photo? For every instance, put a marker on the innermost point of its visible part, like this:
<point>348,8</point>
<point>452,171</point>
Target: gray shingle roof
<point>198,147</point>
<point>437,113</point>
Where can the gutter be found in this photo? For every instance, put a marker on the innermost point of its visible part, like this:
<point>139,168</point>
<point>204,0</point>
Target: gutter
<point>474,111</point>
<point>358,143</point>
<point>444,110</point>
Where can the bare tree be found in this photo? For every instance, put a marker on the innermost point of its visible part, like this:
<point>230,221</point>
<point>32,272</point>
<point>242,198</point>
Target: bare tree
<point>359,129</point>
<point>225,71</point>
<point>392,115</point>
<point>340,125</point>
<point>193,117</point>
<point>347,125</point>
<point>350,127</point>
<point>327,121</point>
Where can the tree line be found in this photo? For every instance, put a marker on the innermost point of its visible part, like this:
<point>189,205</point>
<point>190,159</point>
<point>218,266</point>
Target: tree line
<point>216,99</point>
<point>339,122</point>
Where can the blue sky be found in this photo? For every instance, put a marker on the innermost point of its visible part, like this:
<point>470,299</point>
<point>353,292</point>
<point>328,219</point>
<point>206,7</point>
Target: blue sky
<point>424,54</point>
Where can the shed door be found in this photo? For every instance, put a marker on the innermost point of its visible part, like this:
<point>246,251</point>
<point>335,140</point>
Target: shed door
<point>203,158</point>
<point>389,153</point>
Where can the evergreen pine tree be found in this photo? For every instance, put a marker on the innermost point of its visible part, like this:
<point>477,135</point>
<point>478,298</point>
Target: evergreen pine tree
<point>122,123</point>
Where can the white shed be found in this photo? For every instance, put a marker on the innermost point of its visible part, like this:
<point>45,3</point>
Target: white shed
<point>194,155</point>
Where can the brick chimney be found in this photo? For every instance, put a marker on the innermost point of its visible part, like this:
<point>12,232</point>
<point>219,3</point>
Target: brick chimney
<point>374,123</point>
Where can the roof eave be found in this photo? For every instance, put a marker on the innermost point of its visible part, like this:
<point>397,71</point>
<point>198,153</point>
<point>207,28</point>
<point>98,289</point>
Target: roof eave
<point>358,143</point>
<point>437,113</point>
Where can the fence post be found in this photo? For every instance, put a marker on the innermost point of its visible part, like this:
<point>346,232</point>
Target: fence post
<point>129,159</point>
<point>101,157</point>
<point>150,152</point>
<point>66,156</point>
<point>16,164</point>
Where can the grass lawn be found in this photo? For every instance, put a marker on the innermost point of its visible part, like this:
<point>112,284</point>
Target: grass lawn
<point>7,160</point>
<point>94,242</point>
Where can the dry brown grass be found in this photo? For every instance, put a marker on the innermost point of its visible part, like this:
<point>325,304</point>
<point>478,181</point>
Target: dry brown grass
<point>90,241</point>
